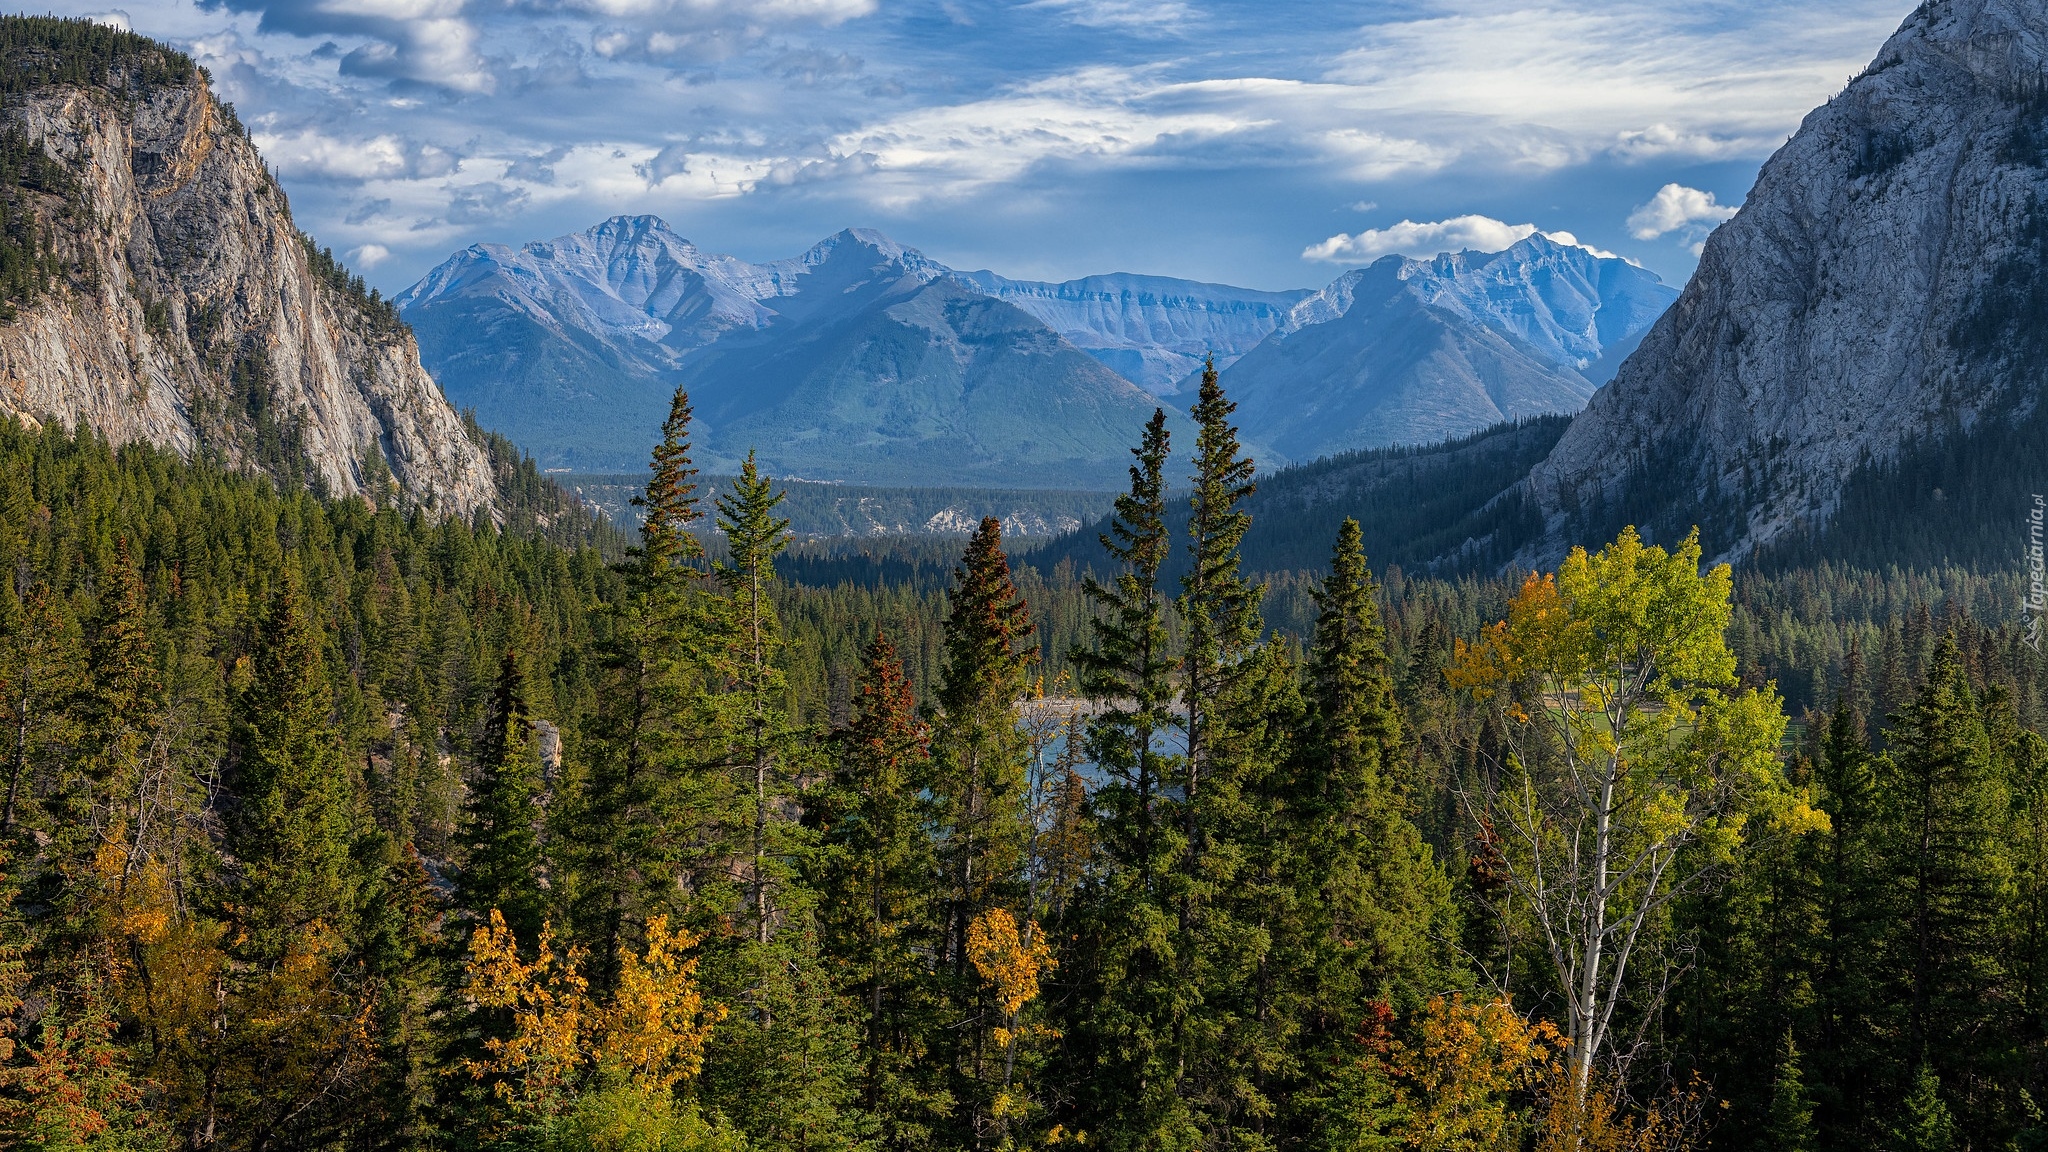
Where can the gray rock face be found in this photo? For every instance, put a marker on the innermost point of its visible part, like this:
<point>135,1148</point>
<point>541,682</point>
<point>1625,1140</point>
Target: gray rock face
<point>194,315</point>
<point>1872,291</point>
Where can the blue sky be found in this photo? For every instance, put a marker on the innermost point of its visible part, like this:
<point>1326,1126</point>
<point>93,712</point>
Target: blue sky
<point>1267,143</point>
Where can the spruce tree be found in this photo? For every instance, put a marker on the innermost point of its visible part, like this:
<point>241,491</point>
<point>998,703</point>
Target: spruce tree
<point>648,821</point>
<point>1946,803</point>
<point>293,818</point>
<point>1121,1029</point>
<point>123,799</point>
<point>498,837</point>
<point>754,683</point>
<point>1925,1123</point>
<point>782,1066</point>
<point>979,769</point>
<point>1218,607</point>
<point>979,788</point>
<point>878,913</point>
<point>1127,669</point>
<point>1371,902</point>
<point>1790,1124</point>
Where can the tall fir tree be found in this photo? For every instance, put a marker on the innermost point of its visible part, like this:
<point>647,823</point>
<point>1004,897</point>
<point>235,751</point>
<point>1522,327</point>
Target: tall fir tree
<point>783,1065</point>
<point>1369,905</point>
<point>1946,804</point>
<point>879,911</point>
<point>752,680</point>
<point>294,821</point>
<point>499,837</point>
<point>653,814</point>
<point>1119,1024</point>
<point>979,789</point>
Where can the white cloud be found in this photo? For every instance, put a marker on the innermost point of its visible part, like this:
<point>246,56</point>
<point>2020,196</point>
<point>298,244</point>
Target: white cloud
<point>1161,17</point>
<point>112,18</point>
<point>312,152</point>
<point>1555,83</point>
<point>1673,208</point>
<point>369,256</point>
<point>1457,234</point>
<point>1408,238</point>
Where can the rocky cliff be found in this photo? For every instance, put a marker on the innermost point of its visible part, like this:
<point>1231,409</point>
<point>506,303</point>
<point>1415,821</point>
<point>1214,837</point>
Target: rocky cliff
<point>168,296</point>
<point>1884,286</point>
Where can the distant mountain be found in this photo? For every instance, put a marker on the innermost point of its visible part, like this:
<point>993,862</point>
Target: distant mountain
<point>1152,330</point>
<point>1414,351</point>
<point>865,361</point>
<point>1864,345</point>
<point>860,360</point>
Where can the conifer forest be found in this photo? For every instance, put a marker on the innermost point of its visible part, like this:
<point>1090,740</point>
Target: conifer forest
<point>332,826</point>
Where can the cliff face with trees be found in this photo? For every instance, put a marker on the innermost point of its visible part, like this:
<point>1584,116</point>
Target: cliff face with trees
<point>156,288</point>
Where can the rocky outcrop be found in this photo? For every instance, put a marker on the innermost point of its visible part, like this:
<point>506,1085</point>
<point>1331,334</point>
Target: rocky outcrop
<point>1882,286</point>
<point>187,310</point>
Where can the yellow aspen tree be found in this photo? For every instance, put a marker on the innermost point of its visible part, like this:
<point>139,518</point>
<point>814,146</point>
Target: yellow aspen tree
<point>1630,764</point>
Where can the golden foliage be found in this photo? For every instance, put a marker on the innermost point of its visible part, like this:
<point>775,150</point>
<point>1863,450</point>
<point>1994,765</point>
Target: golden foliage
<point>651,1035</point>
<point>1454,1085</point>
<point>999,952</point>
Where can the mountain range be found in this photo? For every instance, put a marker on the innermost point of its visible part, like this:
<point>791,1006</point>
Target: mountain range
<point>865,361</point>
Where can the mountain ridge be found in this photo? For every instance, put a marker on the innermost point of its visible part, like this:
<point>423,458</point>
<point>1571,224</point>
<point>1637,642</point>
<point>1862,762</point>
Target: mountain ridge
<point>179,304</point>
<point>609,320</point>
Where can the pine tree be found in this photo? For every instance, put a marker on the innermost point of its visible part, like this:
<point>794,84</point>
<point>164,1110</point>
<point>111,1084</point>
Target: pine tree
<point>1790,1125</point>
<point>979,788</point>
<point>755,684</point>
<point>1946,806</point>
<point>498,837</point>
<point>1369,900</point>
<point>875,874</point>
<point>293,821</point>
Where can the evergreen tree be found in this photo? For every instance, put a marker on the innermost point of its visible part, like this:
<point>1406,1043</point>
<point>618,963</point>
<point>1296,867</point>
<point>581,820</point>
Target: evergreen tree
<point>755,684</point>
<point>1853,894</point>
<point>1925,1123</point>
<point>1369,903</point>
<point>782,1068</point>
<point>978,787</point>
<point>1121,1025</point>
<point>498,837</point>
<point>294,820</point>
<point>876,874</point>
<point>1218,607</point>
<point>1946,810</point>
<point>652,816</point>
<point>1790,1126</point>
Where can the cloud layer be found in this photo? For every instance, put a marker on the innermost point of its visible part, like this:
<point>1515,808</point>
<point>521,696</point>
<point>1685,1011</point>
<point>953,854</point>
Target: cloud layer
<point>1043,137</point>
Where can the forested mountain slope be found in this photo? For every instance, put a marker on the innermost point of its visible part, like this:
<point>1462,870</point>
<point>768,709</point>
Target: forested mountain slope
<point>156,288</point>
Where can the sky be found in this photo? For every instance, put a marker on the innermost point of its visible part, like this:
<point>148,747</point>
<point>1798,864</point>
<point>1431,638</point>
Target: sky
<point>1263,143</point>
